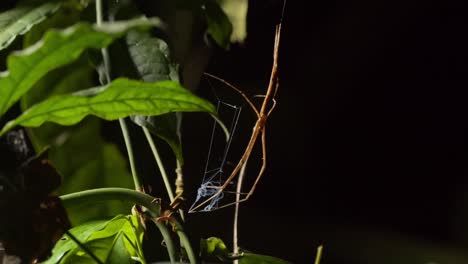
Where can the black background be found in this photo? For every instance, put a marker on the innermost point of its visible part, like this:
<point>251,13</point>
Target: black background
<point>367,146</point>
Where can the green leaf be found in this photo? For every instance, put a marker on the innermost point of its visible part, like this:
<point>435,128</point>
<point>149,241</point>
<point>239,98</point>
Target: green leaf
<point>249,258</point>
<point>98,166</point>
<point>65,244</point>
<point>120,99</point>
<point>219,26</point>
<point>151,57</point>
<point>57,49</point>
<point>213,247</point>
<point>79,152</point>
<point>19,20</point>
<point>118,240</point>
<point>68,15</point>
<point>236,10</point>
<point>153,61</point>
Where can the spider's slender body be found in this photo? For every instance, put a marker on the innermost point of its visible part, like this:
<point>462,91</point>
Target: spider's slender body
<point>258,129</point>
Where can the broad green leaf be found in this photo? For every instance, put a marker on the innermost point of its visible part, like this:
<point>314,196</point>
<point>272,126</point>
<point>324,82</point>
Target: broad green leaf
<point>57,49</point>
<point>19,20</point>
<point>120,99</point>
<point>249,258</point>
<point>118,240</point>
<point>101,166</point>
<point>236,10</point>
<point>219,26</point>
<point>86,161</point>
<point>79,152</point>
<point>67,15</point>
<point>153,61</point>
<point>213,247</point>
<point>151,57</point>
<point>65,244</point>
<point>226,19</point>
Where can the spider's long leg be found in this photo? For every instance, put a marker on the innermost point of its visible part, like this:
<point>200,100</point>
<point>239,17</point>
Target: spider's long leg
<point>262,169</point>
<point>237,90</point>
<point>259,175</point>
<point>272,107</point>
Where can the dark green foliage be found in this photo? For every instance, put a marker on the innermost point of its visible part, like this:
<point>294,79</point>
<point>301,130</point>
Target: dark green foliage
<point>54,78</point>
<point>153,61</point>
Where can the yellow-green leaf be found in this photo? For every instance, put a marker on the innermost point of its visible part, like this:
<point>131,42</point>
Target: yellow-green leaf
<point>56,49</point>
<point>19,20</point>
<point>118,240</point>
<point>121,98</point>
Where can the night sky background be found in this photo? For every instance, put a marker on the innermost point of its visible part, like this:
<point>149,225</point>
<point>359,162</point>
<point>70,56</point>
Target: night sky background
<point>367,148</point>
<point>367,145</point>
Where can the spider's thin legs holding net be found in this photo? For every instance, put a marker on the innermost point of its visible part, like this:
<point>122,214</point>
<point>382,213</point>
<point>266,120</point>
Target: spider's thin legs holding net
<point>259,175</point>
<point>244,158</point>
<point>211,142</point>
<point>232,130</point>
<point>213,178</point>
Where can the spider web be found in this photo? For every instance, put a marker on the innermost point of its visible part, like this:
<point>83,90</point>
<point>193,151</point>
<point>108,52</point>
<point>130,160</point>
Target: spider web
<point>217,167</point>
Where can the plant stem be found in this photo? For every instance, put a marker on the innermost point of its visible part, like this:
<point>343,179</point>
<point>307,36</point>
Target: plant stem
<point>157,157</point>
<point>235,236</point>
<point>104,52</point>
<point>123,194</point>
<point>162,170</point>
<point>180,186</point>
<point>188,249</point>
<point>123,126</point>
<point>319,254</point>
<point>171,249</point>
<point>98,12</point>
<point>184,241</point>
<point>131,159</point>
<point>180,176</point>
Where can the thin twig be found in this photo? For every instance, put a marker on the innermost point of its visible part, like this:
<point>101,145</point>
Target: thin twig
<point>104,52</point>
<point>157,157</point>
<point>235,237</point>
<point>179,183</point>
<point>123,126</point>
<point>180,186</point>
<point>319,254</point>
<point>131,157</point>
